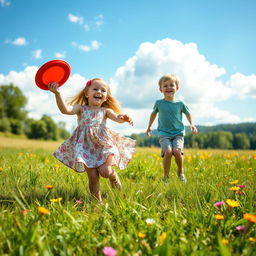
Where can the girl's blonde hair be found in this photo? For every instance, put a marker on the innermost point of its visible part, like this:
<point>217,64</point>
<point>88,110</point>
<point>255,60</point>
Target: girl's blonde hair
<point>171,78</point>
<point>81,99</point>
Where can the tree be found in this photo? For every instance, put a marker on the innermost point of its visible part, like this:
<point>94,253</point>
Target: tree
<point>38,129</point>
<point>241,141</point>
<point>12,102</point>
<point>51,127</point>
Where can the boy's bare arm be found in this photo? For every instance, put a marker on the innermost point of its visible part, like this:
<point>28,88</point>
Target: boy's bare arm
<point>191,122</point>
<point>151,121</point>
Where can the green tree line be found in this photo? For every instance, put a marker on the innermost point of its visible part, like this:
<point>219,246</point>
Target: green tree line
<point>226,136</point>
<point>14,118</point>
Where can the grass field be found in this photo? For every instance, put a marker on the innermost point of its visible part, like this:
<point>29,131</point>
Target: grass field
<point>46,208</point>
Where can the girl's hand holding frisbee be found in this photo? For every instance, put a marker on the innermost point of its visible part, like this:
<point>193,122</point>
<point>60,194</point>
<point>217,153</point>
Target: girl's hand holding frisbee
<point>54,87</point>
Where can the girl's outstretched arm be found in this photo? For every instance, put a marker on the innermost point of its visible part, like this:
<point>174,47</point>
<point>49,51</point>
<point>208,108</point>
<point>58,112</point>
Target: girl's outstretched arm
<point>119,118</point>
<point>63,107</point>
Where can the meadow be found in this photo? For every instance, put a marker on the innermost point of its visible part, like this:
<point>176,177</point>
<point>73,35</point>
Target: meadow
<point>46,208</point>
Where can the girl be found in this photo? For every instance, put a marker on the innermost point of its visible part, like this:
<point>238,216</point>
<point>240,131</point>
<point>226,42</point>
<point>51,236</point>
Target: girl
<point>93,148</point>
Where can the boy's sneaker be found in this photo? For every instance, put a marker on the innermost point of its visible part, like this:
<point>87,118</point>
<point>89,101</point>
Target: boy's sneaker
<point>166,180</point>
<point>182,177</point>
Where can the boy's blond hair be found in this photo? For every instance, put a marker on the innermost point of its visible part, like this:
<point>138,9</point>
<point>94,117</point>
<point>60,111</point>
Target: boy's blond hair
<point>171,78</point>
<point>111,102</point>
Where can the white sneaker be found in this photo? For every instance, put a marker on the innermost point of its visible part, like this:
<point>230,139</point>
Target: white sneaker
<point>182,177</point>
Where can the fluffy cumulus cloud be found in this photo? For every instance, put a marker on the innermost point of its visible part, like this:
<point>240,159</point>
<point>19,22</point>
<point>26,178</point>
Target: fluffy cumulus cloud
<point>201,83</point>
<point>135,84</point>
<point>243,86</point>
<point>20,41</point>
<point>94,45</point>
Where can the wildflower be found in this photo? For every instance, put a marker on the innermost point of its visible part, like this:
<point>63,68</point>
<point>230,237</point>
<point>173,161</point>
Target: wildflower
<point>109,251</point>
<point>57,200</point>
<point>249,169</point>
<point>252,239</point>
<point>141,235</point>
<point>233,182</point>
<point>43,210</point>
<point>220,203</point>
<point>235,188</point>
<point>219,217</point>
<point>232,203</point>
<point>49,187</point>
<point>241,228</point>
<point>162,238</point>
<point>150,221</point>
<point>78,201</point>
<point>1,169</point>
<point>241,186</point>
<point>224,241</point>
<point>56,166</point>
<point>250,217</point>
<point>24,212</point>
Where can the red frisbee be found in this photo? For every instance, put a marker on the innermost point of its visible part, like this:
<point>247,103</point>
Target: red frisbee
<point>52,71</point>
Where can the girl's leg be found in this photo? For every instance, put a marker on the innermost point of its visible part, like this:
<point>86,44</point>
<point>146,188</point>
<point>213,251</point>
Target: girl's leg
<point>94,184</point>
<point>167,162</point>
<point>106,171</point>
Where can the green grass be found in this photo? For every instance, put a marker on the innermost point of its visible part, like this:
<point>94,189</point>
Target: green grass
<point>184,213</point>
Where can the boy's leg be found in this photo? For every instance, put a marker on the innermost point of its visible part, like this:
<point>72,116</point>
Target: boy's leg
<point>178,143</point>
<point>167,162</point>
<point>106,171</point>
<point>165,143</point>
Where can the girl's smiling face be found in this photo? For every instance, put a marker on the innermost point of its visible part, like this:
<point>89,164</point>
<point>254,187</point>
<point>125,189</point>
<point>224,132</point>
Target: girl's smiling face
<point>97,93</point>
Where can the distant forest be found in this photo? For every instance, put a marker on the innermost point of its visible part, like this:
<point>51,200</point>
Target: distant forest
<point>222,136</point>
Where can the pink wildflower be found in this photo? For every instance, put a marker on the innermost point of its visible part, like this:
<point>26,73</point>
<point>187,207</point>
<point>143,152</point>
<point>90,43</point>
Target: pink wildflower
<point>218,204</point>
<point>109,251</point>
<point>241,186</point>
<point>241,228</point>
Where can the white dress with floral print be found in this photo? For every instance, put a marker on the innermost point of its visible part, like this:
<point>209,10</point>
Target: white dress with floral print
<point>92,142</point>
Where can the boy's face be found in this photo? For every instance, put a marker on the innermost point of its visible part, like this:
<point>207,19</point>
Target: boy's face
<point>168,88</point>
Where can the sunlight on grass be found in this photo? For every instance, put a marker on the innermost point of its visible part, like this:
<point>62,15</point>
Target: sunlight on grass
<point>46,208</point>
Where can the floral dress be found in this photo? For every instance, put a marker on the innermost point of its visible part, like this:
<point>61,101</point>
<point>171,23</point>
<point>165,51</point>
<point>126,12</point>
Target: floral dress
<point>92,142</point>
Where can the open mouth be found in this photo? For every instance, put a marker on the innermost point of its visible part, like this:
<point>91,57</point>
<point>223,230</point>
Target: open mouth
<point>97,97</point>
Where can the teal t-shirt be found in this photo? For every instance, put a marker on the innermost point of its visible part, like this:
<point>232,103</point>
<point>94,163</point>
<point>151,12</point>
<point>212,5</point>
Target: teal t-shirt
<point>170,117</point>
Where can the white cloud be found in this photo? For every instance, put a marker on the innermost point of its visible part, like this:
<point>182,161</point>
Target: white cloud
<point>94,45</point>
<point>243,86</point>
<point>5,3</point>
<point>99,21</point>
<point>20,41</point>
<point>75,19</point>
<point>37,54</point>
<point>60,55</point>
<point>135,85</point>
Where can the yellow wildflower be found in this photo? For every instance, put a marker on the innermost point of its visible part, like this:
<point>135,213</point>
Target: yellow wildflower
<point>162,238</point>
<point>56,200</point>
<point>219,217</point>
<point>43,210</point>
<point>49,187</point>
<point>235,188</point>
<point>224,241</point>
<point>232,203</point>
<point>250,217</point>
<point>252,239</point>
<point>1,169</point>
<point>141,235</point>
<point>233,182</point>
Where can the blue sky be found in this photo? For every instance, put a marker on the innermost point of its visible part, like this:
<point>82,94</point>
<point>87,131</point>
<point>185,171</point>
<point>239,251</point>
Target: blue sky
<point>210,45</point>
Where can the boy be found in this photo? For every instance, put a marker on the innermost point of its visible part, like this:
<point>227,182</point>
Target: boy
<point>171,129</point>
